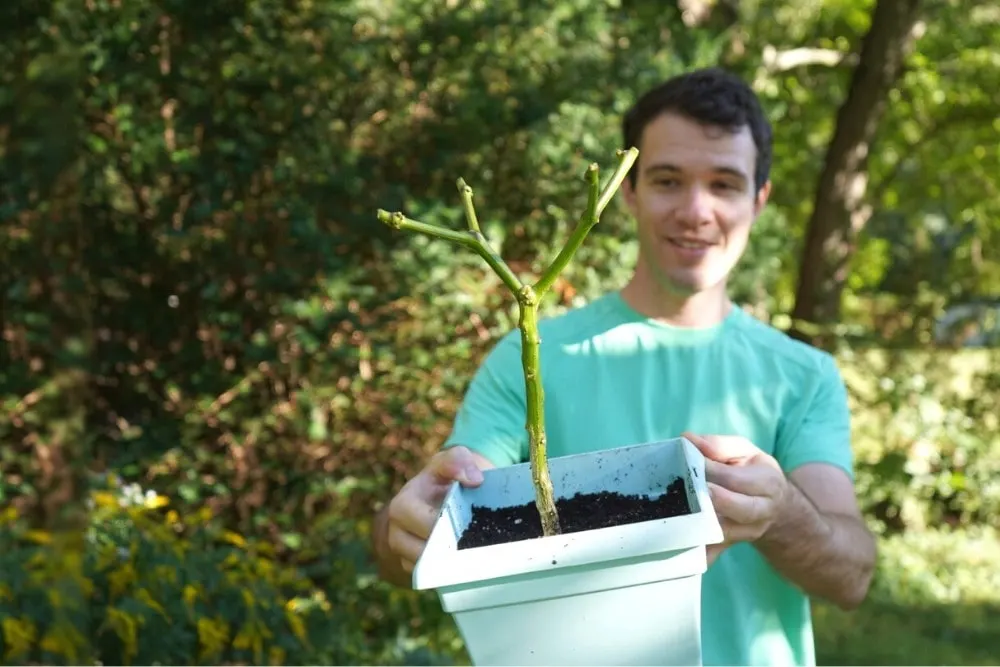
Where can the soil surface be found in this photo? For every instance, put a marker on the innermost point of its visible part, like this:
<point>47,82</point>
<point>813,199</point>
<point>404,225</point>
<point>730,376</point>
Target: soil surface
<point>587,511</point>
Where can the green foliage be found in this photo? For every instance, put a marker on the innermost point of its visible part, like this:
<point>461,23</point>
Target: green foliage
<point>927,436</point>
<point>935,601</point>
<point>145,586</point>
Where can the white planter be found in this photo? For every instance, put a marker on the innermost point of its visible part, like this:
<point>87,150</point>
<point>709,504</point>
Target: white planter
<point>624,595</point>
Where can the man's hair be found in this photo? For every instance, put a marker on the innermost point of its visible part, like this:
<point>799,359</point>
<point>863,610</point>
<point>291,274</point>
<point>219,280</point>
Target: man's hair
<point>712,97</point>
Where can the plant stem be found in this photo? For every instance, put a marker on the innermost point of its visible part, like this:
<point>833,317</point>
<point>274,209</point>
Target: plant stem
<point>528,299</point>
<point>595,206</point>
<point>471,239</point>
<point>470,210</point>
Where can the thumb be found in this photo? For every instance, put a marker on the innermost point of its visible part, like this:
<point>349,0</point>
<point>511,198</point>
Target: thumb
<point>722,448</point>
<point>455,464</point>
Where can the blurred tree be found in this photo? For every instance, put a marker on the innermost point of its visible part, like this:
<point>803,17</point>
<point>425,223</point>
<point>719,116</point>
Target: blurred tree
<point>840,208</point>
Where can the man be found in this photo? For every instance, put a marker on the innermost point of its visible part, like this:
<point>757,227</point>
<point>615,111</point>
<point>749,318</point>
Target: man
<point>670,354</point>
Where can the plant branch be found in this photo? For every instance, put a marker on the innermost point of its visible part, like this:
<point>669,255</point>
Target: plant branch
<point>470,239</point>
<point>596,203</point>
<point>528,298</point>
<point>470,210</point>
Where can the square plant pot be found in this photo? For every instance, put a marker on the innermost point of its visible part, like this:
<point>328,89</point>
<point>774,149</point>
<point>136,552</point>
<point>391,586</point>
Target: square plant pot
<point>625,594</point>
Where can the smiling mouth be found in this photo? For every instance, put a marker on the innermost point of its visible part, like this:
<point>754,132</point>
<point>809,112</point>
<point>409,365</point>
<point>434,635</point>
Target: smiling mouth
<point>690,244</point>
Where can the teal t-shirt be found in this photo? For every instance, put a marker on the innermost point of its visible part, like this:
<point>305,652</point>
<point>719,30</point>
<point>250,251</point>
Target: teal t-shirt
<point>613,377</point>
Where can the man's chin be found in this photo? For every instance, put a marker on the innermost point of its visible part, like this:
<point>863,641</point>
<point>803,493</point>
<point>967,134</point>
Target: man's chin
<point>687,285</point>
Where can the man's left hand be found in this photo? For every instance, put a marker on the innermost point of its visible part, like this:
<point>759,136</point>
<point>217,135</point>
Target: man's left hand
<point>747,487</point>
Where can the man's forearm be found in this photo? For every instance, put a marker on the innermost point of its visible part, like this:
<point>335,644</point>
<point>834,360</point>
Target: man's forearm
<point>389,567</point>
<point>828,556</point>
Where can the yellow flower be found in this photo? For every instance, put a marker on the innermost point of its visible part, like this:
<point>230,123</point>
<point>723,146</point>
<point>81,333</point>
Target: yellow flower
<point>38,537</point>
<point>105,499</point>
<point>18,636</point>
<point>264,569</point>
<point>248,598</point>
<point>201,517</point>
<point>297,625</point>
<point>143,596</point>
<point>121,579</point>
<point>277,656</point>
<point>64,639</point>
<point>155,502</point>
<point>55,599</point>
<point>190,595</point>
<point>213,635</point>
<point>234,538</point>
<point>252,635</point>
<point>127,629</point>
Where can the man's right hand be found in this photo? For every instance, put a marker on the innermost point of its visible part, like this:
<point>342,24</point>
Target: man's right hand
<point>402,528</point>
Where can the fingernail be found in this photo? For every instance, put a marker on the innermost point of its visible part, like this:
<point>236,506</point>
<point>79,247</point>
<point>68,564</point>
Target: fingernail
<point>473,475</point>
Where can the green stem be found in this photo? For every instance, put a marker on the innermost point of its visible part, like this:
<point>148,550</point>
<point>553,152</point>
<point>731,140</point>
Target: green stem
<point>471,239</point>
<point>595,206</point>
<point>527,300</point>
<point>470,210</point>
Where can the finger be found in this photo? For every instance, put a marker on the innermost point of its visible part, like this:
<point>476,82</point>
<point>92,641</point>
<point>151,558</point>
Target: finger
<point>713,551</point>
<point>407,565</point>
<point>414,515</point>
<point>737,507</point>
<point>405,545</point>
<point>750,480</point>
<point>455,464</point>
<point>738,532</point>
<point>722,448</point>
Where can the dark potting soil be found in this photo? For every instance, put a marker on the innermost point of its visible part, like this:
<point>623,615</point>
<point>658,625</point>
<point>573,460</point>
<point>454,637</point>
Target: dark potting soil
<point>584,511</point>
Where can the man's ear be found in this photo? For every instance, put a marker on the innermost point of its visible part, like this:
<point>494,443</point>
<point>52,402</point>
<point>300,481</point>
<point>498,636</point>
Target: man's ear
<point>761,200</point>
<point>628,192</point>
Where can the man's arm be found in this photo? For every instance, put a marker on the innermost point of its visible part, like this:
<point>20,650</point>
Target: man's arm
<point>819,539</point>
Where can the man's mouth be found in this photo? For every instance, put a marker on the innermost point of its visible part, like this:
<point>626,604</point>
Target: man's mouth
<point>689,244</point>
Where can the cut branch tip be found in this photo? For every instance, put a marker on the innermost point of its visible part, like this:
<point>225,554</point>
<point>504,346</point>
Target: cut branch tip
<point>394,220</point>
<point>470,210</point>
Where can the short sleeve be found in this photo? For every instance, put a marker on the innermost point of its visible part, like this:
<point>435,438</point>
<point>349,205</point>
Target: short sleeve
<point>819,431</point>
<point>491,418</point>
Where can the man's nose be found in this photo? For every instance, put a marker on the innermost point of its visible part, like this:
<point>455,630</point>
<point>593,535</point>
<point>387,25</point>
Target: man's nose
<point>696,206</point>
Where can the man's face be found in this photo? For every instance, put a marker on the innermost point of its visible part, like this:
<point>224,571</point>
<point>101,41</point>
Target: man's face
<point>694,201</point>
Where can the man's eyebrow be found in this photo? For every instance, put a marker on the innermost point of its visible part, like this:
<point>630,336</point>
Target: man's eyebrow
<point>722,169</point>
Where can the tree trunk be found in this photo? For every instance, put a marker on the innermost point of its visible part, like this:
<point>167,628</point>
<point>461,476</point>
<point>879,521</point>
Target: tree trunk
<point>840,209</point>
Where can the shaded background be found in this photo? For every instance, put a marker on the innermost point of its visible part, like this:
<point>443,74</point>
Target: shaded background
<point>216,363</point>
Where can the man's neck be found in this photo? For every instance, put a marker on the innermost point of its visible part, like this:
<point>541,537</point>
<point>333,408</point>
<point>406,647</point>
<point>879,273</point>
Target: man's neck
<point>695,311</point>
